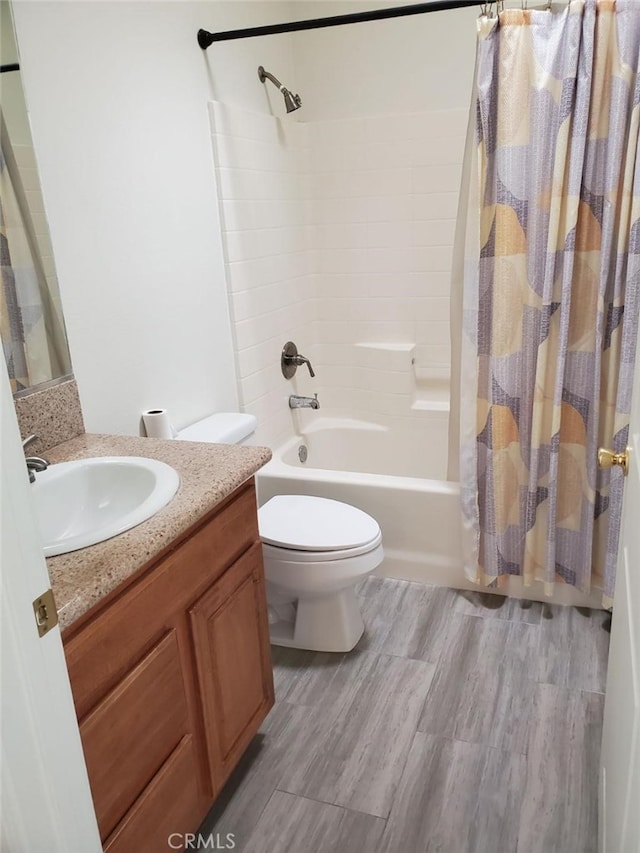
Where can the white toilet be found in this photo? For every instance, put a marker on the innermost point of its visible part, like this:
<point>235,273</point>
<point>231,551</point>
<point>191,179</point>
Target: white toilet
<point>315,550</point>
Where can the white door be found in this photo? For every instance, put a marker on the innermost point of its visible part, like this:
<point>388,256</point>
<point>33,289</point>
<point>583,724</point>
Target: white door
<point>45,801</point>
<point>620,757</point>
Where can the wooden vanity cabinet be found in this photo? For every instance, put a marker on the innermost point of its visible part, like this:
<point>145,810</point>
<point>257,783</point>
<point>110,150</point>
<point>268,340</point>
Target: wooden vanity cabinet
<point>172,678</point>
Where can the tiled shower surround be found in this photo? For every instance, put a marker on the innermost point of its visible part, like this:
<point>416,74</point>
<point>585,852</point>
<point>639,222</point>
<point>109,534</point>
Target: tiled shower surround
<point>338,235</point>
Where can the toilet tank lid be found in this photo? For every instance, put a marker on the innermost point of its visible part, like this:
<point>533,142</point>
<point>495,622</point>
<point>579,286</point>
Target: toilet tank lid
<point>221,428</point>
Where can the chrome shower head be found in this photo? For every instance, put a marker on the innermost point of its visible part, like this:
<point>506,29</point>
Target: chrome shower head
<point>292,102</point>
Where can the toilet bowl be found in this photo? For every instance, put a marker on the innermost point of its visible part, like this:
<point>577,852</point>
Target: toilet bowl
<point>315,550</point>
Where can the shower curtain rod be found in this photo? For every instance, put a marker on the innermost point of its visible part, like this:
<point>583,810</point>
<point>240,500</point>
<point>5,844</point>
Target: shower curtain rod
<point>205,38</point>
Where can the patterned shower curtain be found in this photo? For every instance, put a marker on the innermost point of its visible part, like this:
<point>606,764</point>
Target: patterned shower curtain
<point>550,291</point>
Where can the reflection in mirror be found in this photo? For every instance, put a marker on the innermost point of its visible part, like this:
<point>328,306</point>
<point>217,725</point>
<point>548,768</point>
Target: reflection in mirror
<point>31,321</point>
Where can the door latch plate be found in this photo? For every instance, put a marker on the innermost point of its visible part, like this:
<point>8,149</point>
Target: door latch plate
<point>46,612</point>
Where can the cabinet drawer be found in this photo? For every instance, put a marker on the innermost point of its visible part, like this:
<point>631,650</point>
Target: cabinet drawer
<point>103,650</point>
<point>168,805</point>
<point>129,735</point>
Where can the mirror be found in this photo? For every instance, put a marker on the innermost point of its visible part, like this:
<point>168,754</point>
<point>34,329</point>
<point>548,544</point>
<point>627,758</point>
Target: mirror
<point>32,328</point>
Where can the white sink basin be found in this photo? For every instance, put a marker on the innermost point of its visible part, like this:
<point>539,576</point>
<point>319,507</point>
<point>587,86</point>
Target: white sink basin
<point>86,501</point>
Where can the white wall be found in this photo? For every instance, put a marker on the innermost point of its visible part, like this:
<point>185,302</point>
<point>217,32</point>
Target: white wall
<point>338,235</point>
<point>412,64</point>
<point>261,168</point>
<point>384,195</point>
<point>387,104</point>
<point>373,174</point>
<point>117,94</point>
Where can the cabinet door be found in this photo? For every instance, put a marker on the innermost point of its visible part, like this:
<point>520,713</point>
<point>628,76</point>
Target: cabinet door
<point>231,638</point>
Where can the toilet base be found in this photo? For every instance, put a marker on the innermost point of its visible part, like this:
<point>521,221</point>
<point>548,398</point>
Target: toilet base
<point>329,623</point>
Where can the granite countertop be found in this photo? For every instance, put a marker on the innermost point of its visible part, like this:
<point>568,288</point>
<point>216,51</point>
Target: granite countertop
<point>208,474</point>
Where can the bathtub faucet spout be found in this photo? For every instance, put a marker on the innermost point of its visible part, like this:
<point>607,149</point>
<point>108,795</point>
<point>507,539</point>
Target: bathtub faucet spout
<point>296,402</point>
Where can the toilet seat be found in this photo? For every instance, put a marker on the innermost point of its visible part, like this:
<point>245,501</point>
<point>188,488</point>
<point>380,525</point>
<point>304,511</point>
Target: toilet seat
<point>316,528</point>
<point>291,555</point>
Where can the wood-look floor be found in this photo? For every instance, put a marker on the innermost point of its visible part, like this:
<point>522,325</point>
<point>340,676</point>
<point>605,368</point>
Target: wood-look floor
<point>461,723</point>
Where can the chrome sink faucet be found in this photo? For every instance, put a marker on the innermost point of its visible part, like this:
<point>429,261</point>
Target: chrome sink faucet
<point>34,463</point>
<point>296,402</point>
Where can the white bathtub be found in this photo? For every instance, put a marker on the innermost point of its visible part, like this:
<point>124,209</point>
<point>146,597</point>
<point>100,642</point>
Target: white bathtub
<point>396,475</point>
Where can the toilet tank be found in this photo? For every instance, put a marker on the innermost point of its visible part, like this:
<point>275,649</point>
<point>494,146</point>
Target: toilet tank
<point>221,428</point>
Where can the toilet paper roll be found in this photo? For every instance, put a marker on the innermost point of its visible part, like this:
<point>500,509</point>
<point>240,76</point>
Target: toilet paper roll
<point>157,424</point>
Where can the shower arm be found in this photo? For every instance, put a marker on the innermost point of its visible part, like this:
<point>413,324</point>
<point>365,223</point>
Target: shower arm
<point>262,74</point>
<point>292,101</point>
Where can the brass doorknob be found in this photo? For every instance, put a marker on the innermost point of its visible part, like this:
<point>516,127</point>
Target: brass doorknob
<point>607,459</point>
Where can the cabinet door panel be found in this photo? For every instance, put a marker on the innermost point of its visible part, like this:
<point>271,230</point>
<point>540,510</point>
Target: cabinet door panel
<point>128,736</point>
<point>168,805</point>
<point>231,637</point>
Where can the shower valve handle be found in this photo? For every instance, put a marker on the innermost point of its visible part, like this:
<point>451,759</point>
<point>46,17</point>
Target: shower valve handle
<point>291,360</point>
<point>299,360</point>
